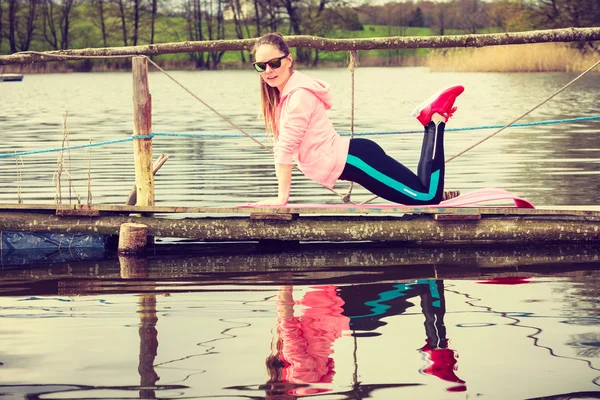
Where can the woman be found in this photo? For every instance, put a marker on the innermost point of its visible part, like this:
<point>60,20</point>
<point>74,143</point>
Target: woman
<point>294,106</point>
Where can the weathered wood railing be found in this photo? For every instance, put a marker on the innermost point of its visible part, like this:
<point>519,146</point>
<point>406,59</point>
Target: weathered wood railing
<point>331,44</point>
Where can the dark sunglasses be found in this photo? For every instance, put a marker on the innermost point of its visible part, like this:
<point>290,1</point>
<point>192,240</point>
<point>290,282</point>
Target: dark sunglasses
<point>274,64</point>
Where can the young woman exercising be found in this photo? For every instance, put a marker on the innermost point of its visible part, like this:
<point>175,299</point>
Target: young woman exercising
<point>294,105</point>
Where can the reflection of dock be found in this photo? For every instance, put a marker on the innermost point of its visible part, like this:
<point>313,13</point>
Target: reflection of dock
<point>304,264</point>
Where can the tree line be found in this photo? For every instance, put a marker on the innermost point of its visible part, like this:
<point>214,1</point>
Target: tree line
<point>63,24</point>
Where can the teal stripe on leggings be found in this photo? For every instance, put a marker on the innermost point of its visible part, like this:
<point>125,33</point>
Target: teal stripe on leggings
<point>394,184</point>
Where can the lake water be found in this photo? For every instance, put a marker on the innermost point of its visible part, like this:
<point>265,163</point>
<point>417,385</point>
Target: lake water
<point>334,322</point>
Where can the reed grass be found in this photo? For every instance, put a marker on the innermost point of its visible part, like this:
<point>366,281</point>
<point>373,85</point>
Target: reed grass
<point>539,57</point>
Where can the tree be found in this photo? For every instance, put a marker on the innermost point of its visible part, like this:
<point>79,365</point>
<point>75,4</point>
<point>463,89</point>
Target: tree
<point>21,24</point>
<point>509,15</point>
<point>123,18</point>
<point>240,22</point>
<point>471,15</point>
<point>215,26</point>
<point>416,18</point>
<point>1,27</point>
<point>566,13</point>
<point>57,22</point>
<point>98,15</point>
<point>154,11</point>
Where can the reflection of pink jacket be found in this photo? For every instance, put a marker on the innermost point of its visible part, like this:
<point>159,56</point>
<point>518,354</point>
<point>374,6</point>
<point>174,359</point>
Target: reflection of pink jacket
<point>308,339</point>
<point>306,133</point>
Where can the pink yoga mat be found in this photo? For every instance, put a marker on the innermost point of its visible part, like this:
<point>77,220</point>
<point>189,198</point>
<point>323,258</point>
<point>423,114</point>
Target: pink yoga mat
<point>475,197</point>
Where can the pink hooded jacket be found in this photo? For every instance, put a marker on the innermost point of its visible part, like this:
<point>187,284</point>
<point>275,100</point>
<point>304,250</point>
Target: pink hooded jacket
<point>306,133</point>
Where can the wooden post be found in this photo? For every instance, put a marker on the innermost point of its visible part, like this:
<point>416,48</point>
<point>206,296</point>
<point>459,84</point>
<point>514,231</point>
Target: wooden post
<point>132,238</point>
<point>142,125</point>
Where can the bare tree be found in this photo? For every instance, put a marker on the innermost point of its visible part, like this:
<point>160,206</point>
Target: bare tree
<point>13,6</point>
<point>215,27</point>
<point>122,15</point>
<point>154,11</point>
<point>98,15</point>
<point>137,12</point>
<point>1,20</point>
<point>472,15</point>
<point>193,14</point>
<point>19,31</point>
<point>240,22</point>
<point>57,22</point>
<point>565,13</point>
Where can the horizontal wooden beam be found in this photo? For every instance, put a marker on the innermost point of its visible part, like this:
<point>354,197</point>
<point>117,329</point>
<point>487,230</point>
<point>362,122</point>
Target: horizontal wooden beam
<point>329,44</point>
<point>421,229</point>
<point>582,211</point>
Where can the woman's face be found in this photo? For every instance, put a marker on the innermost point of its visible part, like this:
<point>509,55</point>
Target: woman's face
<point>274,77</point>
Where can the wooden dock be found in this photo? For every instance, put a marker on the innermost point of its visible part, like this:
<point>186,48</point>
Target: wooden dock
<point>462,225</point>
<point>11,77</point>
<point>421,225</point>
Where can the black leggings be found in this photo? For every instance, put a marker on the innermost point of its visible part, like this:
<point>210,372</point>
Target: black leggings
<point>369,166</point>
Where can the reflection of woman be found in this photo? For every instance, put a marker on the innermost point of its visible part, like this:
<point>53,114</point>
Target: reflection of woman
<point>368,305</point>
<point>303,349</point>
<point>294,107</point>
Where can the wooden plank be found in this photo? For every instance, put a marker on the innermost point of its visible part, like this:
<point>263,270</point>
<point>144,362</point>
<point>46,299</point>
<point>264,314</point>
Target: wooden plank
<point>456,217</point>
<point>278,217</point>
<point>78,213</point>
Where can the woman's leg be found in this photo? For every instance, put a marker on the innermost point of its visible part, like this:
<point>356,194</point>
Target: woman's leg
<point>369,166</point>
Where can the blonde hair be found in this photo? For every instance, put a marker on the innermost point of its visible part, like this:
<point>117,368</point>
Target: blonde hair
<point>270,96</point>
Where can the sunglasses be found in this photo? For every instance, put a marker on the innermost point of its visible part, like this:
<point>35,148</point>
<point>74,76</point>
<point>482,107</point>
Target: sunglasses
<point>274,64</point>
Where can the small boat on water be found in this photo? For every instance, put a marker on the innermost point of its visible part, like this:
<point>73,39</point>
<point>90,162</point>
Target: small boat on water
<point>11,77</point>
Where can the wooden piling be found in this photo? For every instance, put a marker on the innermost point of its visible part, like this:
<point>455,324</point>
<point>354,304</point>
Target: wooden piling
<point>142,126</point>
<point>132,238</point>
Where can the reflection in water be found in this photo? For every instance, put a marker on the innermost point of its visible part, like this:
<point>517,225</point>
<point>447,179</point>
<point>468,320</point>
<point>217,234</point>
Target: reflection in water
<point>303,353</point>
<point>137,268</point>
<point>303,344</point>
<point>367,305</point>
<point>316,327</point>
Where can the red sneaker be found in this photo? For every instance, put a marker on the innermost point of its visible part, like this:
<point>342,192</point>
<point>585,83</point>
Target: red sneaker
<point>441,103</point>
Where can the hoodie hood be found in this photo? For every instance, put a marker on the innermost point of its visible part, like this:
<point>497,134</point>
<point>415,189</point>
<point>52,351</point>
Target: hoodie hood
<point>300,81</point>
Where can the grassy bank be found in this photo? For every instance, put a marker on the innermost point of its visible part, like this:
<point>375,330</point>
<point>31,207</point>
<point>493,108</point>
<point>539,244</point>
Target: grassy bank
<point>540,57</point>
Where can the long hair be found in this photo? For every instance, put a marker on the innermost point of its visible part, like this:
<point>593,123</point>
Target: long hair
<point>270,96</point>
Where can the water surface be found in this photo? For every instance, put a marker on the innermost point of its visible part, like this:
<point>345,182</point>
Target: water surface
<point>333,322</point>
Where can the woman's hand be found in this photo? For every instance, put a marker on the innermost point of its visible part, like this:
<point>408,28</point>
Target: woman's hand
<point>277,202</point>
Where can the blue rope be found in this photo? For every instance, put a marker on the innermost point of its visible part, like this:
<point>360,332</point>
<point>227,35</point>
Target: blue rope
<point>175,134</point>
<point>556,121</point>
<point>81,146</point>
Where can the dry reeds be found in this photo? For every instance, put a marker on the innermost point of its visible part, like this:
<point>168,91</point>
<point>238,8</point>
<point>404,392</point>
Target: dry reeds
<point>539,57</point>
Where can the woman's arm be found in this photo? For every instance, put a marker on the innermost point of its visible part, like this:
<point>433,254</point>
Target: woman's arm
<point>294,124</point>
<point>284,183</point>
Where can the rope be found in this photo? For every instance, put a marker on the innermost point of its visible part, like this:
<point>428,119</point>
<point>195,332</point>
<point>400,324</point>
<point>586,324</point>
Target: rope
<point>353,63</point>
<point>82,146</point>
<point>524,114</point>
<point>230,134</point>
<point>373,133</point>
